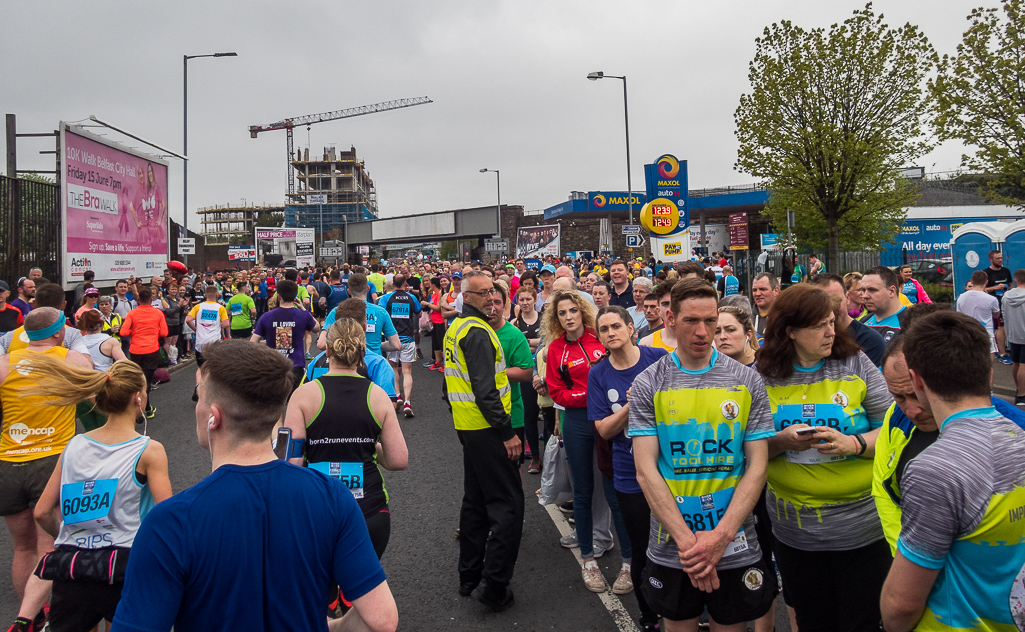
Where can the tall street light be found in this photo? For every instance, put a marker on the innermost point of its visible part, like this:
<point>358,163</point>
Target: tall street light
<point>595,76</point>
<point>185,140</point>
<point>498,178</point>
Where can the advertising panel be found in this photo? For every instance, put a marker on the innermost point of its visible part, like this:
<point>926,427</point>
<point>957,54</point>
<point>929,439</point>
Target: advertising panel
<point>285,247</point>
<point>738,231</point>
<point>114,205</point>
<point>241,253</point>
<point>538,241</point>
<point>924,239</point>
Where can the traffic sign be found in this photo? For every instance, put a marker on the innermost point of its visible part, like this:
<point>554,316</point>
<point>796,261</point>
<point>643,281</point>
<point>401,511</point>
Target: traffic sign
<point>634,241</point>
<point>186,246</point>
<point>631,229</point>
<point>497,246</point>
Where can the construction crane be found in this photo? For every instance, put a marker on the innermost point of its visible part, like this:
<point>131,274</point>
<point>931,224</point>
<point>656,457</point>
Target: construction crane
<point>289,123</point>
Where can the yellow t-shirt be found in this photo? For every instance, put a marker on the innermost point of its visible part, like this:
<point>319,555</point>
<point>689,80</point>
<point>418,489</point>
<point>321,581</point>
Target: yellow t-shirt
<point>32,429</point>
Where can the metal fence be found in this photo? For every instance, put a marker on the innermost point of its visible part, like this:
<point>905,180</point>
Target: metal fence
<point>856,261</point>
<point>30,229</point>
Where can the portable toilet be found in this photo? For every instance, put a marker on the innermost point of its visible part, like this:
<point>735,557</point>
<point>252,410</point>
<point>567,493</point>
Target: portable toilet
<point>1014,245</point>
<point>970,246</point>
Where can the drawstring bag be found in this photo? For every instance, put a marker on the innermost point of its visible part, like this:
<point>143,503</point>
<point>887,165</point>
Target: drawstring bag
<point>556,486</point>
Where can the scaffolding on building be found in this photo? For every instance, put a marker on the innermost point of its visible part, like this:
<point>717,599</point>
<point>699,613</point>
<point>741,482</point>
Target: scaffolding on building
<point>333,189</point>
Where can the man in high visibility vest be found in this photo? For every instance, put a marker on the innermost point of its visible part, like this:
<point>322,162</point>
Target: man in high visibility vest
<point>478,393</point>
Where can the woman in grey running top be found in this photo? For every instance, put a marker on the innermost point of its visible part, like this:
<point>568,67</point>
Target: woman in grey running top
<point>101,489</point>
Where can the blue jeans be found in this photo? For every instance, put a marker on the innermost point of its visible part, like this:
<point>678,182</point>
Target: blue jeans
<point>578,437</point>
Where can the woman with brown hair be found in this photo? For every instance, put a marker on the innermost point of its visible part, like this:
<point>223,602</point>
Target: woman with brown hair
<point>828,402</point>
<point>104,484</point>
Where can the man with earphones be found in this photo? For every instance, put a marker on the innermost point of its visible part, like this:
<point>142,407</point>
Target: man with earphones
<point>241,550</point>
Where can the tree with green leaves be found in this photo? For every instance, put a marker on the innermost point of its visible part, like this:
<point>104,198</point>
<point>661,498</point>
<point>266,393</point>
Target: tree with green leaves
<point>269,220</point>
<point>980,99</point>
<point>831,119</point>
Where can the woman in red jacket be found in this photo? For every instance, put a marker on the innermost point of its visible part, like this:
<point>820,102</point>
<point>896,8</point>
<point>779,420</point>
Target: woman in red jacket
<point>568,323</point>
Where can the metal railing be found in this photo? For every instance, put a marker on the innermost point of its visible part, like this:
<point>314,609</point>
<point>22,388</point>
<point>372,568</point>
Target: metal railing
<point>742,188</point>
<point>30,223</point>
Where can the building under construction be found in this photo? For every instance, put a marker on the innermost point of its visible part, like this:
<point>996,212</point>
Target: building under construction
<point>332,190</point>
<point>233,223</point>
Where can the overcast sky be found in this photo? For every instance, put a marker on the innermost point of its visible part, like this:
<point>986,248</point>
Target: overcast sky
<point>507,80</point>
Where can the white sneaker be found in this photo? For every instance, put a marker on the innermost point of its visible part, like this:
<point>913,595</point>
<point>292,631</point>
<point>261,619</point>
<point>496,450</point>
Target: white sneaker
<point>599,550</point>
<point>624,583</point>
<point>592,577</point>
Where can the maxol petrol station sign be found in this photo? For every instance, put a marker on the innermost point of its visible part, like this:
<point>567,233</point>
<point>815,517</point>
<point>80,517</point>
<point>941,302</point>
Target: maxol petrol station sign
<point>666,212</point>
<point>614,200</point>
<point>666,215</point>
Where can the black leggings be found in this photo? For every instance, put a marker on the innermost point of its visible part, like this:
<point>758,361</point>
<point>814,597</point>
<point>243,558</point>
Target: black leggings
<point>379,526</point>
<point>637,516</point>
<point>438,337</point>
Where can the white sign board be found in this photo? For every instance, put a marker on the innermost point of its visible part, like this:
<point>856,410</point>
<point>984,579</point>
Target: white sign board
<point>285,247</point>
<point>498,246</point>
<point>318,198</point>
<point>331,252</point>
<point>631,229</point>
<point>186,246</point>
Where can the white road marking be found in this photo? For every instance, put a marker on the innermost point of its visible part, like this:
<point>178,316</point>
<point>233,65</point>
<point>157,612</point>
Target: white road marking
<point>623,620</point>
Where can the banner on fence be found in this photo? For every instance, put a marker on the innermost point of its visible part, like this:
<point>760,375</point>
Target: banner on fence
<point>114,207</point>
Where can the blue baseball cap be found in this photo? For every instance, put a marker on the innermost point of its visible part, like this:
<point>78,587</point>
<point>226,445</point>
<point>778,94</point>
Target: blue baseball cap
<point>547,268</point>
<point>457,274</point>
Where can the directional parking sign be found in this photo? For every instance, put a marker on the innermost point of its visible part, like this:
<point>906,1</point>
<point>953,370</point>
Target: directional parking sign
<point>634,241</point>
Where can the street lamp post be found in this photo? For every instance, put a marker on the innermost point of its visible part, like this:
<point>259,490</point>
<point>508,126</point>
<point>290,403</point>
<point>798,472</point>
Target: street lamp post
<point>498,179</point>
<point>594,76</point>
<point>185,133</point>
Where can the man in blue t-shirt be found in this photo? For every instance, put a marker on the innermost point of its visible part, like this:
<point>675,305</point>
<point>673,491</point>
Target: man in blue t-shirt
<point>244,549</point>
<point>379,323</point>
<point>404,310</point>
<point>375,367</point>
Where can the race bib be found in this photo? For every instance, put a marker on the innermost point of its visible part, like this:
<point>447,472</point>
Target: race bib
<point>236,309</point>
<point>350,474</point>
<point>815,415</point>
<point>87,500</point>
<point>828,415</point>
<point>371,327</point>
<point>703,513</point>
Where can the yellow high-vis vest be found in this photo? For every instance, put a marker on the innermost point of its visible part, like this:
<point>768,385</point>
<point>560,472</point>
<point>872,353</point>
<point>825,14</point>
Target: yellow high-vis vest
<point>465,413</point>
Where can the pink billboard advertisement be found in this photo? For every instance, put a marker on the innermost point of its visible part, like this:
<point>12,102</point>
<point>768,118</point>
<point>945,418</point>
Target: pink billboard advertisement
<point>115,210</point>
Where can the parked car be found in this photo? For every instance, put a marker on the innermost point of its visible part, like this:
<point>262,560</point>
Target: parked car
<point>932,270</point>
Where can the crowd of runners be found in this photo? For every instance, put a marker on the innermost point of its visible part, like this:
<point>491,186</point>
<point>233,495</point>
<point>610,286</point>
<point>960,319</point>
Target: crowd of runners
<point>831,438</point>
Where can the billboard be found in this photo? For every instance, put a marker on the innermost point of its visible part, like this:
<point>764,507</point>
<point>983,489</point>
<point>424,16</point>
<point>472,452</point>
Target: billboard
<point>285,247</point>
<point>538,241</point>
<point>114,207</point>
<point>925,239</point>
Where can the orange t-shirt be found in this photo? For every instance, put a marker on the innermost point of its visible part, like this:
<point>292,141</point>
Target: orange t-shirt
<point>146,325</point>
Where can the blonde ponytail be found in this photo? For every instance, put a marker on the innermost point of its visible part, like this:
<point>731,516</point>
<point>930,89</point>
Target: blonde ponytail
<point>65,385</point>
<point>346,342</point>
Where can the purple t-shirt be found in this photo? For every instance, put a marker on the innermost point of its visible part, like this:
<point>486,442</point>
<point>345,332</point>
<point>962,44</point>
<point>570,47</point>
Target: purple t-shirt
<point>283,329</point>
<point>606,389</point>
